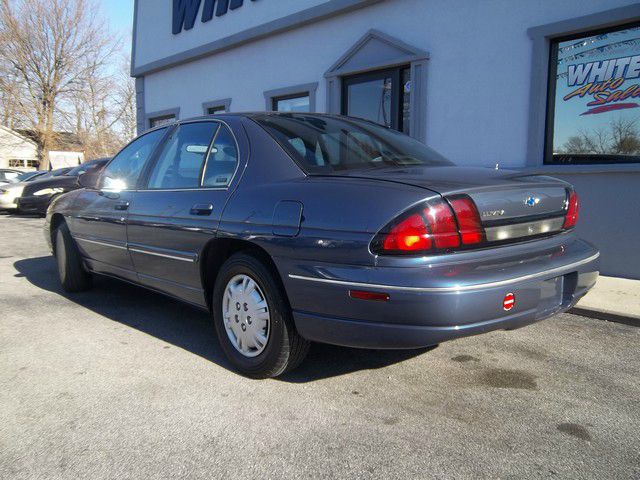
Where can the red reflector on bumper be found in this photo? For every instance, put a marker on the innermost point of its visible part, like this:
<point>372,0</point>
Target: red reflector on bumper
<point>509,301</point>
<point>364,295</point>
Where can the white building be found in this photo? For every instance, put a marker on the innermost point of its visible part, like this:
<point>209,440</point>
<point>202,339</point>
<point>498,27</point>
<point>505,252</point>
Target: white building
<point>17,151</point>
<point>537,85</point>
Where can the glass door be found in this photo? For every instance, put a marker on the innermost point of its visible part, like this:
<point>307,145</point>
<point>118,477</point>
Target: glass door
<point>382,96</point>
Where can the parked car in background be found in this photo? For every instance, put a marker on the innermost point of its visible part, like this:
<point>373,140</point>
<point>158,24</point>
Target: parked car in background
<point>37,195</point>
<point>8,175</point>
<point>10,191</point>
<point>28,176</point>
<point>291,228</point>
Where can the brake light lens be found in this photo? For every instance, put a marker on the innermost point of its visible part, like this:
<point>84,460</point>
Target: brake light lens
<point>470,227</point>
<point>573,210</point>
<point>444,228</point>
<point>439,225</point>
<point>409,235</point>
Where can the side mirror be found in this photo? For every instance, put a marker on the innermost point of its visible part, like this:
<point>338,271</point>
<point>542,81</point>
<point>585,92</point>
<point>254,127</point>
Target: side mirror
<point>89,179</point>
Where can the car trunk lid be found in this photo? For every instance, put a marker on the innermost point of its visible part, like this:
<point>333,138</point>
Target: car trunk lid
<point>510,204</point>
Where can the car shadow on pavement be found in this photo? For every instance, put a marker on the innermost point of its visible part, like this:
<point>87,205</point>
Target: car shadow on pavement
<point>190,328</point>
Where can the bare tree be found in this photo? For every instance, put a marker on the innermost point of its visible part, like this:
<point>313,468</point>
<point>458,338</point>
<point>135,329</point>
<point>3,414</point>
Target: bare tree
<point>51,51</point>
<point>127,102</point>
<point>102,110</point>
<point>576,144</point>
<point>619,137</point>
<point>624,136</point>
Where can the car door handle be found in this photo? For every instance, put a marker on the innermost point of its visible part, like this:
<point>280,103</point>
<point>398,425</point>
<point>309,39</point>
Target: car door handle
<point>201,209</point>
<point>121,206</point>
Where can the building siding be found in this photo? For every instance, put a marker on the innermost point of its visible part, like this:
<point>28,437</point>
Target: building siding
<point>478,85</point>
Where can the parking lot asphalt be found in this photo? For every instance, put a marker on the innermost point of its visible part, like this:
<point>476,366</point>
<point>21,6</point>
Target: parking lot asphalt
<point>120,382</point>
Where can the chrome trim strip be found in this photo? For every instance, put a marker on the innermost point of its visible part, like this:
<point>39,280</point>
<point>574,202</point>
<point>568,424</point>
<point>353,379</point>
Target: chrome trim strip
<point>456,288</point>
<point>163,255</point>
<point>193,259</point>
<point>104,244</point>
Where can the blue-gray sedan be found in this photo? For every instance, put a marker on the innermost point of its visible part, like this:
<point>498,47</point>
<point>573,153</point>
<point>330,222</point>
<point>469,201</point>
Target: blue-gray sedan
<point>292,228</point>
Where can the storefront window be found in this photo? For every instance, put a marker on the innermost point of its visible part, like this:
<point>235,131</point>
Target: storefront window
<point>298,103</point>
<point>594,114</point>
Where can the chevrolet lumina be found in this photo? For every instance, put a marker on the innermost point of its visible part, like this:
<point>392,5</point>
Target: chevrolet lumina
<point>293,228</point>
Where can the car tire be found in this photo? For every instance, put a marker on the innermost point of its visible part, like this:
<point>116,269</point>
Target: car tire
<point>71,271</point>
<point>284,348</point>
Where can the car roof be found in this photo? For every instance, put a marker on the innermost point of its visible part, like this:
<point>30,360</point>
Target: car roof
<point>252,114</point>
<point>249,114</point>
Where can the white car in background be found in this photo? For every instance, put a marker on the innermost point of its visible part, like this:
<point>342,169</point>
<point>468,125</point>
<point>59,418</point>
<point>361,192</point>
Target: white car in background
<point>11,190</point>
<point>8,175</point>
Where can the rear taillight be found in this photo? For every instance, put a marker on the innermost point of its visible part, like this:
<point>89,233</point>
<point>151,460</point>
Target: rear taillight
<point>443,225</point>
<point>409,235</point>
<point>470,227</point>
<point>438,225</point>
<point>573,208</point>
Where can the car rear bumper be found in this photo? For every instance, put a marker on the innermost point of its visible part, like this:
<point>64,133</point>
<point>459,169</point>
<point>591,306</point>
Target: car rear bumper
<point>428,305</point>
<point>33,204</point>
<point>8,200</point>
<point>6,204</point>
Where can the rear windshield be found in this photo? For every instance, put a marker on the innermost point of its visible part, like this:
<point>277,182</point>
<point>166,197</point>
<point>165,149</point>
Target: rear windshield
<point>57,173</point>
<point>80,169</point>
<point>23,177</point>
<point>325,144</point>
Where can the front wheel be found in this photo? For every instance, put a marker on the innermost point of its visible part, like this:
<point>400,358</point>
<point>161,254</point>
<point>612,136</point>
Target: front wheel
<point>253,319</point>
<point>73,276</point>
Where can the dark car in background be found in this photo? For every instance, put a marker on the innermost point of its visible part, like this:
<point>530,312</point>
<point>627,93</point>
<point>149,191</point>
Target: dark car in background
<point>291,228</point>
<point>30,176</point>
<point>37,195</point>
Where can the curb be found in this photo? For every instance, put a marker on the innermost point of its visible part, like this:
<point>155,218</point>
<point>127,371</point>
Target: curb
<point>608,316</point>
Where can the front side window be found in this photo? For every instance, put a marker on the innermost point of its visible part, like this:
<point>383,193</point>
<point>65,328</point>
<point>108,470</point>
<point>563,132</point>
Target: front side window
<point>292,103</point>
<point>324,144</point>
<point>594,89</point>
<point>183,157</point>
<point>123,171</point>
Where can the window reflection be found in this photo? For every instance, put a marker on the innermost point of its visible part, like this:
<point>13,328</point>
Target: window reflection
<point>292,104</point>
<point>371,100</point>
<point>595,114</point>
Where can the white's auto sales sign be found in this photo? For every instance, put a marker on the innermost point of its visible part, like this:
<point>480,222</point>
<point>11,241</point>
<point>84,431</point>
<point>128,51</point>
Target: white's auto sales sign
<point>606,83</point>
<point>597,86</point>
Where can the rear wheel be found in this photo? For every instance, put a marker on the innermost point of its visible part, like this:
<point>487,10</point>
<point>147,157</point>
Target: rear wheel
<point>253,319</point>
<point>73,276</point>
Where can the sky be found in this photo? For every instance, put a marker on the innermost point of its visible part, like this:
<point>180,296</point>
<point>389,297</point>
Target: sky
<point>119,14</point>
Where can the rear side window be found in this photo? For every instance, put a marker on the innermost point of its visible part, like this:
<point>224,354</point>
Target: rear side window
<point>222,161</point>
<point>123,171</point>
<point>183,157</point>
